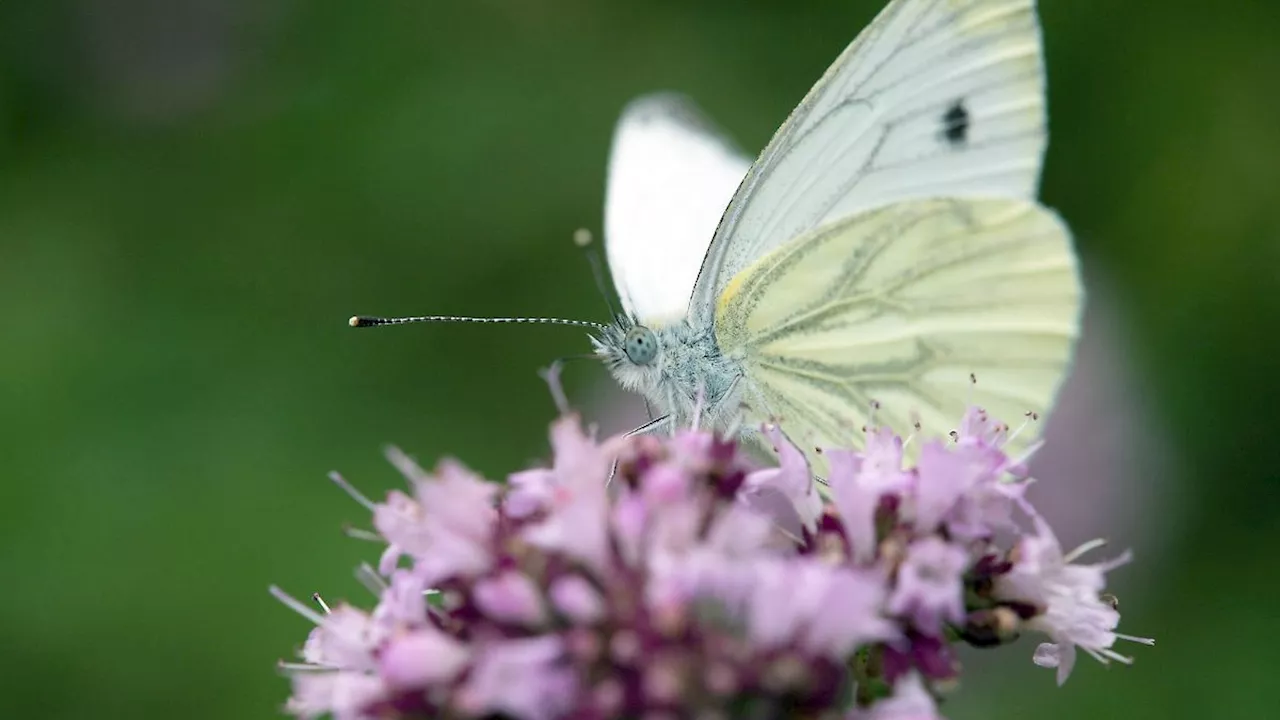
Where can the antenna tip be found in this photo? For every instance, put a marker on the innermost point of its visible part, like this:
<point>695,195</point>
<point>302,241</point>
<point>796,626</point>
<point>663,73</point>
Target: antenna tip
<point>363,321</point>
<point>582,237</point>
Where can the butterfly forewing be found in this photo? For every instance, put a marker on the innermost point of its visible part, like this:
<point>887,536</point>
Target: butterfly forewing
<point>934,98</point>
<point>670,177</point>
<point>900,306</point>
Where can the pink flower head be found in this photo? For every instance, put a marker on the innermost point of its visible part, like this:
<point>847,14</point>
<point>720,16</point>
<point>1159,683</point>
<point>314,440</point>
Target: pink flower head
<point>989,437</point>
<point>827,609</point>
<point>986,508</point>
<point>341,694</point>
<point>859,481</point>
<point>340,675</point>
<point>690,586</point>
<point>529,491</point>
<point>964,488</point>
<point>577,600</point>
<point>851,614</point>
<point>445,527</point>
<point>346,637</point>
<point>666,483</point>
<point>980,429</point>
<point>577,517</point>
<point>787,492</point>
<point>882,459</point>
<point>629,522</point>
<point>421,658</point>
<point>510,597</point>
<point>943,477</point>
<point>402,605</point>
<point>930,585</point>
<point>1075,614</point>
<point>700,452</point>
<point>523,678</point>
<point>722,564</point>
<point>910,701</point>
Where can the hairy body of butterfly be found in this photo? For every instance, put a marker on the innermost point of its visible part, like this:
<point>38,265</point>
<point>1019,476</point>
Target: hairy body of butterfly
<point>686,376</point>
<point>884,249</point>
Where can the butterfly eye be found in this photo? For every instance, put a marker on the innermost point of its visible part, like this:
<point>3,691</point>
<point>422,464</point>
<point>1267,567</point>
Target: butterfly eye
<point>641,345</point>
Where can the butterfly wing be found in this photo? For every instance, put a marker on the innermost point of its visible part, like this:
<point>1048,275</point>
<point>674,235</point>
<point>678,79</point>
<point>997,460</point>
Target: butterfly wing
<point>670,177</point>
<point>899,306</point>
<point>934,98</point>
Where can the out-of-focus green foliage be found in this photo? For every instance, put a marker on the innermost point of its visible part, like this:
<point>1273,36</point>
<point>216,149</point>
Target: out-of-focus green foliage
<point>195,194</point>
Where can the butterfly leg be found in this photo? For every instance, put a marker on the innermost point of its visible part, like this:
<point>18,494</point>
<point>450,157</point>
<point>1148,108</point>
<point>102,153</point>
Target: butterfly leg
<point>651,426</point>
<point>671,403</point>
<point>707,416</point>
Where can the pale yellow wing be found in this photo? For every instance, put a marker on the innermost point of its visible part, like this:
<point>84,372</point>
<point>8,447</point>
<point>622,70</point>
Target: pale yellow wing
<point>935,98</point>
<point>901,306</point>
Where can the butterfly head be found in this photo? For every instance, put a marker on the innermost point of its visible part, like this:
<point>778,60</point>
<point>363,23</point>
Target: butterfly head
<point>632,352</point>
<point>640,345</point>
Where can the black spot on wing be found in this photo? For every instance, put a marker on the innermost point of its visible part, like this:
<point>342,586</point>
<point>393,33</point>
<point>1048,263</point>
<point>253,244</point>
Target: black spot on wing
<point>955,124</point>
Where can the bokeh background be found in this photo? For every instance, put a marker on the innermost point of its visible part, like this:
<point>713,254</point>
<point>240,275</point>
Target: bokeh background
<point>195,194</point>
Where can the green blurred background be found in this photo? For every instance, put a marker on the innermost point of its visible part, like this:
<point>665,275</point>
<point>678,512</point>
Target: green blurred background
<point>195,194</point>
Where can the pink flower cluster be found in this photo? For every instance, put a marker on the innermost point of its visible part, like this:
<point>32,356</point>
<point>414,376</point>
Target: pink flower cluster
<point>681,582</point>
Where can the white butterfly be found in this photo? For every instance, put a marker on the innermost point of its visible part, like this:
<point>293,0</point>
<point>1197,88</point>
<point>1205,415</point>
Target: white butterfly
<point>884,250</point>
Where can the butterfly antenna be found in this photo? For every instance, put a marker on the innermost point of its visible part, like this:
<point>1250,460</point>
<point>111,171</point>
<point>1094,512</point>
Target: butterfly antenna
<point>360,321</point>
<point>583,239</point>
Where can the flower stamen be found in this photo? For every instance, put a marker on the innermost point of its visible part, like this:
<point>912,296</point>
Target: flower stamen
<point>351,491</point>
<point>292,603</point>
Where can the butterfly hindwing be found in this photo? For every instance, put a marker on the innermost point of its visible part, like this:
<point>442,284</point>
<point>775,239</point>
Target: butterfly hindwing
<point>900,306</point>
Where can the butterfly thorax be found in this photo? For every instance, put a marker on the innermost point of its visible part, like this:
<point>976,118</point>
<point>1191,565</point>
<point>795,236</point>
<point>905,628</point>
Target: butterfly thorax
<point>677,367</point>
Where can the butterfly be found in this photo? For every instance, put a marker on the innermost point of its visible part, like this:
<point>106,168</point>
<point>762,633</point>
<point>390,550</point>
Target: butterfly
<point>882,262</point>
